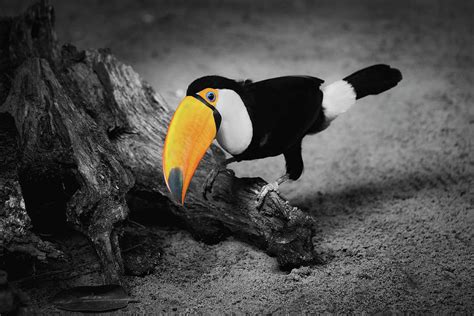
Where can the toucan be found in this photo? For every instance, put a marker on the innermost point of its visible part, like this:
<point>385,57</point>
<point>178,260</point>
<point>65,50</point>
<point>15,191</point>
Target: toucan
<point>253,120</point>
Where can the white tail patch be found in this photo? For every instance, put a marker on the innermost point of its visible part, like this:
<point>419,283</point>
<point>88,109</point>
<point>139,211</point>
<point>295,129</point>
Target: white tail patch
<point>338,97</point>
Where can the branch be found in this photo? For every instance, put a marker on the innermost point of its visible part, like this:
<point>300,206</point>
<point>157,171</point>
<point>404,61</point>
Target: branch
<point>91,132</point>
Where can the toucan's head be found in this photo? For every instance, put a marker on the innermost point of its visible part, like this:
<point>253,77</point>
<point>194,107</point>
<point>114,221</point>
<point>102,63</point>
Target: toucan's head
<point>204,113</point>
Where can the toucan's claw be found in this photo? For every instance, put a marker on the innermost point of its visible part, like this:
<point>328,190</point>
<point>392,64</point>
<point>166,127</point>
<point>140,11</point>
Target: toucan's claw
<point>264,192</point>
<point>209,182</point>
<point>211,177</point>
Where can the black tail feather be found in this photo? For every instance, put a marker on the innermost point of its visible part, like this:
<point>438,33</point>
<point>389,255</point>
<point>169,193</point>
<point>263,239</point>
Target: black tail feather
<point>374,80</point>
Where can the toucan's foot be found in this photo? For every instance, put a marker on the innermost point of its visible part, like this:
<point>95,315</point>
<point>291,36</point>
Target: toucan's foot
<point>211,177</point>
<point>264,191</point>
<point>209,182</point>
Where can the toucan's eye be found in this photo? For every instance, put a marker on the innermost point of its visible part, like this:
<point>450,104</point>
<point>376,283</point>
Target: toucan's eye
<point>211,96</point>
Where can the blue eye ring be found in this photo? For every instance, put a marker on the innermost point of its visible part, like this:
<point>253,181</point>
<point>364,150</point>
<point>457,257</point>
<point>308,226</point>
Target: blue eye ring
<point>211,96</point>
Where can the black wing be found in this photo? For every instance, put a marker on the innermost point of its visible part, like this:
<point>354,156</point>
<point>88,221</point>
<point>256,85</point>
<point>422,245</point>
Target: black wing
<point>282,110</point>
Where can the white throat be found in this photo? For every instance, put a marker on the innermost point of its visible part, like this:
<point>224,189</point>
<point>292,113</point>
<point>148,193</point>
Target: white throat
<point>235,132</point>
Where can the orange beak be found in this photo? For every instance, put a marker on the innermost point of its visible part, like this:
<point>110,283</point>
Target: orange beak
<point>191,131</point>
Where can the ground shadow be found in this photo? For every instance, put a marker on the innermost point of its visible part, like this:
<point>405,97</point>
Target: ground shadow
<point>355,198</point>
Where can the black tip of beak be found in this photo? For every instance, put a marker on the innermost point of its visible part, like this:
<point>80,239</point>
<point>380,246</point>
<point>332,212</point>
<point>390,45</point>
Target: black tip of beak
<point>175,182</point>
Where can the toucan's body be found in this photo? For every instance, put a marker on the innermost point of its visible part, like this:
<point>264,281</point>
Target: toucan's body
<point>282,110</point>
<point>253,120</point>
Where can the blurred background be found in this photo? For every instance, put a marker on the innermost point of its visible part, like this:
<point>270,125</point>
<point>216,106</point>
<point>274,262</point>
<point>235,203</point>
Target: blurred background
<point>171,43</point>
<point>390,183</point>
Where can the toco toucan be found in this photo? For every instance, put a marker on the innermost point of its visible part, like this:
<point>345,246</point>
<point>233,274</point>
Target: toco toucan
<point>253,120</point>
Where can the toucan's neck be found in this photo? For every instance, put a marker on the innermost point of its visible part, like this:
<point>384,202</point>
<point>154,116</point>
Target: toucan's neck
<point>236,131</point>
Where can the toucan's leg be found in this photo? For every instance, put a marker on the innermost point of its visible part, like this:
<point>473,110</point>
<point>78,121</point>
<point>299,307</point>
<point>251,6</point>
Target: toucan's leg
<point>267,188</point>
<point>211,177</point>
<point>294,169</point>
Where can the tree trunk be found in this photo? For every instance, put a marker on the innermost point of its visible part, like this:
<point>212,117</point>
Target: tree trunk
<point>17,242</point>
<point>91,133</point>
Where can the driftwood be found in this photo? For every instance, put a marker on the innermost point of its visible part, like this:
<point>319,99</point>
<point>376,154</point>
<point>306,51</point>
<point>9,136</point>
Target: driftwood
<point>16,238</point>
<point>91,133</point>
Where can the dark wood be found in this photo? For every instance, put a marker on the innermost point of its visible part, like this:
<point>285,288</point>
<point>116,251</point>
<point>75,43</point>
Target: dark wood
<point>16,238</point>
<point>91,134</point>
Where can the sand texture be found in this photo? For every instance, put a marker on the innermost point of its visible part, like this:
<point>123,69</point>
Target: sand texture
<point>390,183</point>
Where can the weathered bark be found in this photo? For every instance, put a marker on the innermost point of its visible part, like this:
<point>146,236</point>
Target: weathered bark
<point>91,135</point>
<point>16,238</point>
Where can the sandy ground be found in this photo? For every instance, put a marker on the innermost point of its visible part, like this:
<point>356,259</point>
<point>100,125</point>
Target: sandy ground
<point>390,183</point>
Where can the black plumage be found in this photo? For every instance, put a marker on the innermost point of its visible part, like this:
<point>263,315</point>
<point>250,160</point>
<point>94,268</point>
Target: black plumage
<point>284,110</point>
<point>373,80</point>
